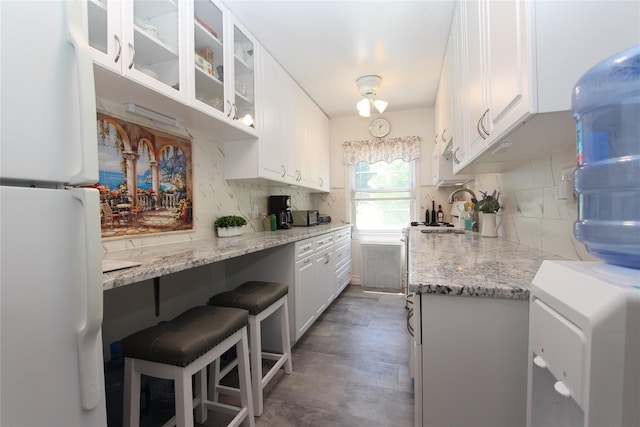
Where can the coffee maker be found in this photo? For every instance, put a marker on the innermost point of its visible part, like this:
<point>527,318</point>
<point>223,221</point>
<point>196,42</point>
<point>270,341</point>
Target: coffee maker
<point>281,207</point>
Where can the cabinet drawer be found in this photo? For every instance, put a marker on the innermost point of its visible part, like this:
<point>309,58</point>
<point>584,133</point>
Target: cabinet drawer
<point>343,276</point>
<point>342,234</point>
<point>343,254</point>
<point>304,248</point>
<point>324,241</point>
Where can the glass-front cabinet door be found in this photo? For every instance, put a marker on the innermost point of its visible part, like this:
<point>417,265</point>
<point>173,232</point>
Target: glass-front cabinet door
<point>140,39</point>
<point>209,58</point>
<point>244,100</point>
<point>105,32</point>
<point>152,52</point>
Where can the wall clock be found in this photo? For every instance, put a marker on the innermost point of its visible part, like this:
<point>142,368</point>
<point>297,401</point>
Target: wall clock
<point>380,127</point>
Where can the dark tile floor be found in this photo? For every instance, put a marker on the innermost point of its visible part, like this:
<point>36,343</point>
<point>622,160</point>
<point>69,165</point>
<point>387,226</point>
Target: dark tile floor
<point>349,370</point>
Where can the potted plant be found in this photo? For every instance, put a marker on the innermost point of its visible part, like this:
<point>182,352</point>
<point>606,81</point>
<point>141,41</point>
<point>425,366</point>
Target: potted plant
<point>488,204</point>
<point>229,225</point>
<point>489,207</point>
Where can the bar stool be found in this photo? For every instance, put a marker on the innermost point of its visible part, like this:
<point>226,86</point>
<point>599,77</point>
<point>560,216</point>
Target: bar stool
<point>261,299</point>
<point>181,348</point>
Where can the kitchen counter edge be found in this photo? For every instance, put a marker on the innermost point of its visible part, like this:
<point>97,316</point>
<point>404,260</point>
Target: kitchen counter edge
<point>160,260</point>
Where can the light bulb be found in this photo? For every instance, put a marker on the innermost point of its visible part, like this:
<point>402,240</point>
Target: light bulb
<point>364,108</point>
<point>247,120</point>
<point>380,105</point>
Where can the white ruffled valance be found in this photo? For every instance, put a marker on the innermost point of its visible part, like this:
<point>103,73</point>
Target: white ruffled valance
<point>384,149</point>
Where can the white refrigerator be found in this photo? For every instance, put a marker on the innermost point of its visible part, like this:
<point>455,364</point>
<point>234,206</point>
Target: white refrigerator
<point>51,363</point>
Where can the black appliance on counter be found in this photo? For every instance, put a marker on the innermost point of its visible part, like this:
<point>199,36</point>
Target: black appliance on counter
<point>305,218</point>
<point>281,207</point>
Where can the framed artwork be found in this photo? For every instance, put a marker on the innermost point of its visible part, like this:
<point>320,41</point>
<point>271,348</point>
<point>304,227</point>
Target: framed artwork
<point>145,180</point>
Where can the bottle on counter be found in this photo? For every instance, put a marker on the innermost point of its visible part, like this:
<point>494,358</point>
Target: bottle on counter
<point>433,212</point>
<point>468,219</point>
<point>426,217</point>
<point>273,222</point>
<point>440,214</point>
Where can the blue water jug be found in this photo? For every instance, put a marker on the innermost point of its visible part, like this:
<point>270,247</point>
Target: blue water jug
<point>606,108</point>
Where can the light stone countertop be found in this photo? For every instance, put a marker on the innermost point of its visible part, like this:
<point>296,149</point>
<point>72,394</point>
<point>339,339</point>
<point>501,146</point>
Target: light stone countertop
<point>161,260</point>
<point>471,265</point>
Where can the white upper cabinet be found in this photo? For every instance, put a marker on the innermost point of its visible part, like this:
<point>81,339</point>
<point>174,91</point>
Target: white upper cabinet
<point>243,86</point>
<point>187,59</point>
<point>449,136</point>
<point>273,147</point>
<point>293,135</point>
<point>221,65</point>
<point>508,91</point>
<point>208,91</point>
<point>474,79</point>
<point>141,40</point>
<point>493,70</point>
<point>517,63</point>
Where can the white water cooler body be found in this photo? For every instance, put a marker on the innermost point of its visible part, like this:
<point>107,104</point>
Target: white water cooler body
<point>584,346</point>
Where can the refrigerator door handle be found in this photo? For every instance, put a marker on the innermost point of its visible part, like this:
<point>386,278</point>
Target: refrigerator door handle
<point>89,337</point>
<point>87,173</point>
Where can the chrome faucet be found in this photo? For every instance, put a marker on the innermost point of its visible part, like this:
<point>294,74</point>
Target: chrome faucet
<point>474,214</point>
<point>460,190</point>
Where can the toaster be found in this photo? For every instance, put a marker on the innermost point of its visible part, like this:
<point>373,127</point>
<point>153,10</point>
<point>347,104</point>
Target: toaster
<point>304,218</point>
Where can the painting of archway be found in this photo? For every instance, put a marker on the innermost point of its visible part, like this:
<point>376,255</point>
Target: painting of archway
<point>144,181</point>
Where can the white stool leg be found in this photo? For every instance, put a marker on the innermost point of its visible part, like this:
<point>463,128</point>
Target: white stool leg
<point>255,337</point>
<point>214,380</point>
<point>201,393</point>
<point>131,410</point>
<point>246,398</point>
<point>184,399</point>
<point>286,343</point>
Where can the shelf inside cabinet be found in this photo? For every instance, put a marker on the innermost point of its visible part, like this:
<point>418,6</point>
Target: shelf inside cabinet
<point>151,50</point>
<point>243,102</point>
<point>205,40</point>
<point>151,9</point>
<point>242,66</point>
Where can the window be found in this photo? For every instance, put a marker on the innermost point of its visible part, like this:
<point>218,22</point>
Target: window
<point>382,195</point>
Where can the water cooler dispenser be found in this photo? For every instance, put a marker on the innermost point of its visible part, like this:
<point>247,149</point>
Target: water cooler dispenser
<point>584,346</point>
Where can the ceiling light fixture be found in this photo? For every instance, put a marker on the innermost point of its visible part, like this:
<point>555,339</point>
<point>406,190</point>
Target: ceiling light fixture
<point>368,86</point>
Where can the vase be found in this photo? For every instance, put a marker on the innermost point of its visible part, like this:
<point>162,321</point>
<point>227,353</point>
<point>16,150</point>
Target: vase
<point>229,231</point>
<point>490,224</point>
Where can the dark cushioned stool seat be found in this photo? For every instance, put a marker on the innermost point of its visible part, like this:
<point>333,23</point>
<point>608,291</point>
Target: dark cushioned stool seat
<point>253,296</point>
<point>186,337</point>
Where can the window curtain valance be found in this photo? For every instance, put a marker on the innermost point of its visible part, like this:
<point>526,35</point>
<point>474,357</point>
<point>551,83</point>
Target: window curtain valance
<point>384,149</point>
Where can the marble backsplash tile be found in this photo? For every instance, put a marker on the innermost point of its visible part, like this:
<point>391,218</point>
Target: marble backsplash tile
<point>534,215</point>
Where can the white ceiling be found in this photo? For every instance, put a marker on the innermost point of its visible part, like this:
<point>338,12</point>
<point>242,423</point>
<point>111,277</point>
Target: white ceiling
<point>326,45</point>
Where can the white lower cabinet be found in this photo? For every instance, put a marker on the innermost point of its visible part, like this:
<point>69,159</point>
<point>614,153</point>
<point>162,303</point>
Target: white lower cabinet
<point>342,256</point>
<point>304,311</point>
<point>322,271</point>
<point>316,270</point>
<point>313,282</point>
<point>470,361</point>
